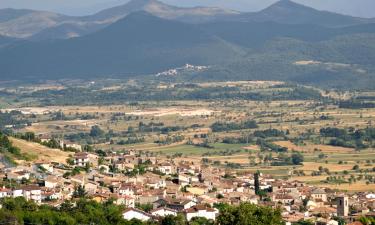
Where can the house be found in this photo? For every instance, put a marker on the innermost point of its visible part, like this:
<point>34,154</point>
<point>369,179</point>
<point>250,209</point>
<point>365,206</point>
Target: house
<point>150,196</point>
<point>165,168</point>
<point>283,198</point>
<point>70,145</point>
<point>127,189</point>
<point>327,211</point>
<point>207,200</point>
<point>176,204</point>
<point>91,188</point>
<point>18,175</point>
<point>319,194</point>
<point>129,159</point>
<point>51,194</point>
<point>201,211</point>
<point>44,138</point>
<point>155,183</point>
<point>122,166</point>
<point>186,179</point>
<point>196,190</point>
<point>81,159</point>
<point>51,182</point>
<point>78,179</point>
<point>127,201</point>
<point>4,192</point>
<point>322,221</point>
<point>29,192</point>
<point>163,212</point>
<point>132,213</point>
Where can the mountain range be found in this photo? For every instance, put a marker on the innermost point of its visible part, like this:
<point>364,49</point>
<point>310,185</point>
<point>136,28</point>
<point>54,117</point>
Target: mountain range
<point>46,25</point>
<point>138,44</point>
<point>285,41</point>
<point>40,25</point>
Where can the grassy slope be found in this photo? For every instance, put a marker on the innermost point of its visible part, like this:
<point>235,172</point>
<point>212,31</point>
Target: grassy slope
<point>41,152</point>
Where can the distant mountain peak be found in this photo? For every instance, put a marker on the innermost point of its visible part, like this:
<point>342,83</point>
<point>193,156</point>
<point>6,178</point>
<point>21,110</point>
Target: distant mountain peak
<point>290,12</point>
<point>142,3</point>
<point>288,4</point>
<point>140,15</point>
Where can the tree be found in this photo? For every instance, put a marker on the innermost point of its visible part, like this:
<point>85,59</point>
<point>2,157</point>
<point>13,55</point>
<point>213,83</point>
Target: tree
<point>96,131</point>
<point>79,192</point>
<point>367,220</point>
<point>297,158</point>
<point>70,161</point>
<point>144,207</point>
<point>173,220</point>
<point>20,211</point>
<point>303,222</point>
<point>256,183</point>
<point>322,156</point>
<point>249,214</point>
<point>88,148</point>
<point>29,136</point>
<point>201,221</point>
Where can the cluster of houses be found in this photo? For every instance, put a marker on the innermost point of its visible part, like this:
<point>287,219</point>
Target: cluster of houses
<point>168,187</point>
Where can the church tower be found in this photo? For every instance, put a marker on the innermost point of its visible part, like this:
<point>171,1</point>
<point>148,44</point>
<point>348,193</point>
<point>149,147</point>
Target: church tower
<point>342,206</point>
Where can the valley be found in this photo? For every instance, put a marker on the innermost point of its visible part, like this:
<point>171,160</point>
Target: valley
<point>183,128</point>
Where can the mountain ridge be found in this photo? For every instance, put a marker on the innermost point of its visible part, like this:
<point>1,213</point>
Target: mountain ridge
<point>119,49</point>
<point>233,48</point>
<point>28,23</point>
<point>289,12</point>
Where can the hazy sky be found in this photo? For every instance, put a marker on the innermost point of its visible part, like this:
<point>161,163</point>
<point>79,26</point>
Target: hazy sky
<point>364,8</point>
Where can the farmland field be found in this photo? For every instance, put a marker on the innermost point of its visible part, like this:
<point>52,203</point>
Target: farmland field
<point>263,131</point>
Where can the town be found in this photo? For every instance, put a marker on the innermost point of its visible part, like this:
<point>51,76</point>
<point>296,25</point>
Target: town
<point>150,189</point>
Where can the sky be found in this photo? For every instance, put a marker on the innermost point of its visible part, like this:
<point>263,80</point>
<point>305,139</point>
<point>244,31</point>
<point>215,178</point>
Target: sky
<point>361,8</point>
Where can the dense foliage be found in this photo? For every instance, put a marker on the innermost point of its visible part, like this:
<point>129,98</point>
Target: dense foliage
<point>352,138</point>
<point>356,104</point>
<point>220,126</point>
<point>12,119</point>
<point>9,151</point>
<point>85,212</point>
<point>149,91</point>
<point>269,133</point>
<point>269,146</point>
<point>19,211</point>
<point>248,214</point>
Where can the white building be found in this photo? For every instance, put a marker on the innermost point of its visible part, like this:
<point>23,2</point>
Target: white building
<point>18,175</point>
<point>4,192</point>
<point>51,182</point>
<point>201,211</point>
<point>166,168</point>
<point>126,189</point>
<point>163,212</point>
<point>319,194</point>
<point>64,145</point>
<point>132,213</point>
<point>30,193</point>
<point>81,159</point>
<point>127,201</point>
